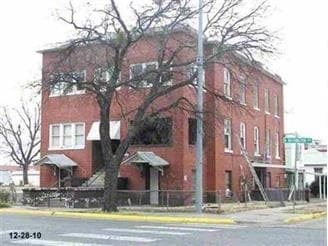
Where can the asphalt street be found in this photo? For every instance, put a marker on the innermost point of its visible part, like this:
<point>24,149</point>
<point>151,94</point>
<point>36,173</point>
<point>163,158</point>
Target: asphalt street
<point>82,232</point>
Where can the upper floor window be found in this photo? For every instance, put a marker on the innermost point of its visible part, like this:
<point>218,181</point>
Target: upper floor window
<point>277,145</point>
<point>276,106</point>
<point>227,135</point>
<point>66,136</point>
<point>67,83</point>
<point>154,131</point>
<point>268,143</point>
<point>242,91</point>
<point>242,135</point>
<point>266,101</point>
<point>256,141</point>
<point>145,75</point>
<point>256,96</point>
<point>227,83</point>
<point>102,76</point>
<point>192,128</point>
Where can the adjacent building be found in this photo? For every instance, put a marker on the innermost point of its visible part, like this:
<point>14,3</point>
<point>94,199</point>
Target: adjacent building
<point>163,156</point>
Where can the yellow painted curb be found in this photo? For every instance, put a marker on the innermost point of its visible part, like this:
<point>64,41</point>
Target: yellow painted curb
<point>121,217</point>
<point>304,217</point>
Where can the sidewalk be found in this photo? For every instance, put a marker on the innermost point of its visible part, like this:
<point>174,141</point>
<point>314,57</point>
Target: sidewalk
<point>267,216</point>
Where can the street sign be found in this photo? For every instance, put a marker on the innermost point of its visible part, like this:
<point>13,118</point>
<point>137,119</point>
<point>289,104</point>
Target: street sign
<point>298,140</point>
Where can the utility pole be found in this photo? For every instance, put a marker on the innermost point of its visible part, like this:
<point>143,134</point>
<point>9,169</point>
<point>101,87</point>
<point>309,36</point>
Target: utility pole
<point>199,113</point>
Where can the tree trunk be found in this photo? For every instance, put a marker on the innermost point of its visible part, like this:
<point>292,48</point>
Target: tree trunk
<point>110,188</point>
<point>25,174</point>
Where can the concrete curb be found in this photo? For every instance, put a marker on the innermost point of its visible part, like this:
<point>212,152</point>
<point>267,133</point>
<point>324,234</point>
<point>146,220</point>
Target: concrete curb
<point>304,217</point>
<point>122,217</point>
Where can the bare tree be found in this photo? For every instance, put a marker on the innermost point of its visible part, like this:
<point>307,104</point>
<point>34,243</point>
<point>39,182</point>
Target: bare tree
<point>105,39</point>
<point>20,135</point>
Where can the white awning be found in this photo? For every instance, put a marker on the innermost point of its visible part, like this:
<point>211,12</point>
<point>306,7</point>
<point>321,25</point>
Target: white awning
<point>114,130</point>
<point>59,160</point>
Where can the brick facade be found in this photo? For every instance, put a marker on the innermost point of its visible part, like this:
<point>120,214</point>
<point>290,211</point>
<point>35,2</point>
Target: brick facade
<point>180,155</point>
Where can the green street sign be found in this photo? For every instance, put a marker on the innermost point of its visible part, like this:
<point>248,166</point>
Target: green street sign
<point>298,140</point>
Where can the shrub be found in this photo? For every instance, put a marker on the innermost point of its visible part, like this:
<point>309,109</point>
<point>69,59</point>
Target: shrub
<point>4,196</point>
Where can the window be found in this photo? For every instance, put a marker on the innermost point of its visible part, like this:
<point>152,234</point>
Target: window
<point>102,77</point>
<point>79,135</point>
<point>227,135</point>
<point>155,131</point>
<point>243,135</point>
<point>228,180</point>
<point>66,136</point>
<point>276,106</point>
<point>277,145</point>
<point>256,141</point>
<point>256,96</point>
<point>242,92</point>
<point>268,180</point>
<point>227,83</point>
<point>55,135</point>
<point>67,83</point>
<point>192,72</point>
<point>266,101</point>
<point>267,143</point>
<point>143,74</point>
<point>192,128</point>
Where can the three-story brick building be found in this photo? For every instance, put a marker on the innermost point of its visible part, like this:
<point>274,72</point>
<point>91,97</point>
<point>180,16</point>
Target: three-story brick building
<point>250,111</point>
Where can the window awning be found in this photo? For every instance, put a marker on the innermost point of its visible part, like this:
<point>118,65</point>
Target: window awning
<point>59,160</point>
<point>114,130</point>
<point>147,157</point>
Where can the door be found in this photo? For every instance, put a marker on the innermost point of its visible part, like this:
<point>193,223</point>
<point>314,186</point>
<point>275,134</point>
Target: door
<point>153,174</point>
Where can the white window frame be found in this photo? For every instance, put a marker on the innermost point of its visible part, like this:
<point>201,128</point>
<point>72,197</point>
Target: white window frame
<point>228,132</point>
<point>242,91</point>
<point>257,141</point>
<point>277,146</point>
<point>242,134</point>
<point>51,136</point>
<point>276,106</point>
<point>61,145</point>
<point>267,101</point>
<point>256,100</point>
<point>227,83</point>
<point>74,90</point>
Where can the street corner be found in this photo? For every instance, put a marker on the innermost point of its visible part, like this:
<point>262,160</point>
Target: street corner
<point>305,217</point>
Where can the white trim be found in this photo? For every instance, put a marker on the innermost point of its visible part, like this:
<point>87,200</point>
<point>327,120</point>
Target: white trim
<point>230,151</point>
<point>257,109</point>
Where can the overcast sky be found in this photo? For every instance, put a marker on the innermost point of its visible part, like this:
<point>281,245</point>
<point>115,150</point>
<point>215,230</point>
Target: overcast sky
<point>27,26</point>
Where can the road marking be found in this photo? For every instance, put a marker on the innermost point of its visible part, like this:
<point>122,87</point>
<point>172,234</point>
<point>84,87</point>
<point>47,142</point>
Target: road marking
<point>212,226</point>
<point>146,231</point>
<point>54,243</point>
<point>178,228</point>
<point>111,237</point>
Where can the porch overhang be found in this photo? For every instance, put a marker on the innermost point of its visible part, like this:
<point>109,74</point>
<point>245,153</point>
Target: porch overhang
<point>150,158</point>
<point>114,130</point>
<point>261,164</point>
<point>59,160</point>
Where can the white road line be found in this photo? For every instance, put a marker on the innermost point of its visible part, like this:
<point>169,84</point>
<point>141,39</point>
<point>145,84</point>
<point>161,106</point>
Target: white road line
<point>111,237</point>
<point>147,231</point>
<point>178,228</point>
<point>53,243</point>
<point>214,227</point>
